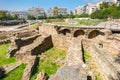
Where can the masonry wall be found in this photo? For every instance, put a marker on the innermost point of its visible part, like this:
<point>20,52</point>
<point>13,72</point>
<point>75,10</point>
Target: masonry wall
<point>58,40</point>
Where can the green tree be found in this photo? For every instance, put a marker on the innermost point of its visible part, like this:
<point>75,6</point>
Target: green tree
<point>60,16</point>
<point>2,15</point>
<point>9,17</point>
<point>41,17</point>
<point>104,5</point>
<point>77,15</point>
<point>112,11</point>
<point>84,15</point>
<point>31,17</point>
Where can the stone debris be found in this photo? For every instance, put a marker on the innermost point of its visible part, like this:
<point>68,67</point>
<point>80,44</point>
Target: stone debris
<point>42,76</point>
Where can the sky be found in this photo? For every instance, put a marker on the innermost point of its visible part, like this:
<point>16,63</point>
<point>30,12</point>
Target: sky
<point>46,4</point>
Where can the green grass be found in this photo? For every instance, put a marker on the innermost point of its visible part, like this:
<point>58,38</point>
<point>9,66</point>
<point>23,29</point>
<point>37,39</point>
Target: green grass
<point>98,77</point>
<point>87,56</point>
<point>48,64</point>
<point>88,22</point>
<point>79,22</point>
<point>60,23</point>
<point>16,74</point>
<point>3,52</point>
<point>35,25</point>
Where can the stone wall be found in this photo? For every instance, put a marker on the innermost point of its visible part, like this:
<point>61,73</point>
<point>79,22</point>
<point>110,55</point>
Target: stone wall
<point>16,44</point>
<point>59,40</point>
<point>29,68</point>
<point>26,33</point>
<point>106,63</point>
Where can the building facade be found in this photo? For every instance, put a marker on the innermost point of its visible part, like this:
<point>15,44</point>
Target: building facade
<point>19,14</point>
<point>56,11</point>
<point>115,1</point>
<point>88,8</point>
<point>36,11</point>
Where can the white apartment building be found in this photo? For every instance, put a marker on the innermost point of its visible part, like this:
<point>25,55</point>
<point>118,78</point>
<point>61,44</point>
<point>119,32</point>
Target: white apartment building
<point>51,13</point>
<point>78,10</point>
<point>36,11</point>
<point>88,8</point>
<point>115,1</point>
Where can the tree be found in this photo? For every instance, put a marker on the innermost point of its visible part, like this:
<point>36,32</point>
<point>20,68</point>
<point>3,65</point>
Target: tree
<point>60,16</point>
<point>77,15</point>
<point>84,15</point>
<point>9,17</point>
<point>31,17</point>
<point>41,17</point>
<point>112,11</point>
<point>104,5</point>
<point>2,15</point>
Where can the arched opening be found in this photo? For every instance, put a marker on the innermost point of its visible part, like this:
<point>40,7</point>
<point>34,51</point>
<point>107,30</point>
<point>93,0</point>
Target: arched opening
<point>65,32</point>
<point>93,34</point>
<point>79,33</point>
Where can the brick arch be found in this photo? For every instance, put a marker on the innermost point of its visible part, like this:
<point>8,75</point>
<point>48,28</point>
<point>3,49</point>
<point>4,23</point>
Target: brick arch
<point>93,34</point>
<point>78,33</point>
<point>65,31</point>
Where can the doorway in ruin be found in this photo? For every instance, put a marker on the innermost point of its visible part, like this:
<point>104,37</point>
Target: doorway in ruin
<point>79,34</point>
<point>93,34</point>
<point>65,32</point>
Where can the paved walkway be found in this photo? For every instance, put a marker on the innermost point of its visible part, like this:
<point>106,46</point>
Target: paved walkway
<point>12,28</point>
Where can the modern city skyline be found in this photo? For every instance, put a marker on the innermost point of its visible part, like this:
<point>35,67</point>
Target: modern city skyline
<point>46,4</point>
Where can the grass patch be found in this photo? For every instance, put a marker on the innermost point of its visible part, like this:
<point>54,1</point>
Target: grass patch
<point>3,52</point>
<point>98,77</point>
<point>48,64</point>
<point>35,25</point>
<point>60,23</point>
<point>77,22</point>
<point>89,22</point>
<point>87,56</point>
<point>15,74</point>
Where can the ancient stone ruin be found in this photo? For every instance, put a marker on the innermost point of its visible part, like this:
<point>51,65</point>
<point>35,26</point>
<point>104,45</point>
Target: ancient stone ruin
<point>27,45</point>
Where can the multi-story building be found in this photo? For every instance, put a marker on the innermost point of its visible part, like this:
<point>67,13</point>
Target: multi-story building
<point>62,11</point>
<point>19,14</point>
<point>56,11</point>
<point>88,8</point>
<point>50,12</point>
<point>78,10</point>
<point>34,11</point>
<point>115,1</point>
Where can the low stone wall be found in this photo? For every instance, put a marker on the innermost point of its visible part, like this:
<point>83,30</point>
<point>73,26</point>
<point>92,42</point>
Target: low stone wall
<point>42,45</point>
<point>26,33</point>
<point>109,69</point>
<point>31,65</point>
<point>86,43</point>
<point>47,29</point>
<point>61,41</point>
<point>58,40</point>
<point>16,44</point>
<point>73,69</point>
<point>10,67</point>
<point>4,36</point>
